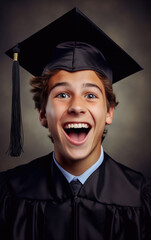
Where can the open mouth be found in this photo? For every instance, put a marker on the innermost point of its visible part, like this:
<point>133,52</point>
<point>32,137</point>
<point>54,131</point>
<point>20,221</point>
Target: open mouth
<point>77,132</point>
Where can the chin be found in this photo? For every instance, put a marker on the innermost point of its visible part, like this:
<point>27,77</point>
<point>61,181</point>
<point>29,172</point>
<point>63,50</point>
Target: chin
<point>76,154</point>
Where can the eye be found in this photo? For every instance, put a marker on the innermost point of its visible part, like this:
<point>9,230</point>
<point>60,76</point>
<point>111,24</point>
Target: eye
<point>62,95</point>
<point>90,95</point>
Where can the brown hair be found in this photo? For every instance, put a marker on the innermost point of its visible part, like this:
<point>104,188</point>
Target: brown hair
<point>40,90</point>
<point>110,96</point>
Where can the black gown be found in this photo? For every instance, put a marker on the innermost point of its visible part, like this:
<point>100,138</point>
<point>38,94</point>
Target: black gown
<point>36,203</point>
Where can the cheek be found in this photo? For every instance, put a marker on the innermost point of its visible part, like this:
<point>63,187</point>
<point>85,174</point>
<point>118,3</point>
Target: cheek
<point>50,113</point>
<point>99,113</point>
<point>54,113</point>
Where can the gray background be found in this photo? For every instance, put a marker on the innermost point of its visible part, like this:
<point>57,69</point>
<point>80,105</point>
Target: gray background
<point>128,23</point>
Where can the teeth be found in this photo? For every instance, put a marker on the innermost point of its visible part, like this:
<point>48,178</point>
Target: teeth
<point>76,125</point>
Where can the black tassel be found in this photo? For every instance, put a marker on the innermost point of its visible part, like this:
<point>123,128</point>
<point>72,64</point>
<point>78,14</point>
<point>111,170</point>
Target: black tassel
<point>16,133</point>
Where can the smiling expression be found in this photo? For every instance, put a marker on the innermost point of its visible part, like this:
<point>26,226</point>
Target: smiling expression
<point>76,114</point>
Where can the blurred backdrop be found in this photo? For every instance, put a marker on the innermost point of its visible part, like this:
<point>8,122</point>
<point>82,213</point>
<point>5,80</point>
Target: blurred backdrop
<point>128,23</point>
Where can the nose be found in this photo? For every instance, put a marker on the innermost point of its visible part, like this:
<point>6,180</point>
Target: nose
<point>76,106</point>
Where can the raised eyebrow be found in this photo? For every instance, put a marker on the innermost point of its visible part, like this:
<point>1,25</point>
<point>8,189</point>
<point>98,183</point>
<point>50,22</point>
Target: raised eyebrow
<point>58,85</point>
<point>92,85</point>
<point>67,85</point>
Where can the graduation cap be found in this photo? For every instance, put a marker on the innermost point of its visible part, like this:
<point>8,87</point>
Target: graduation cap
<point>72,42</point>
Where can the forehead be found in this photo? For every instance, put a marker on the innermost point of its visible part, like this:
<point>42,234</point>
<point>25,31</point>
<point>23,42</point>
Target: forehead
<point>78,78</point>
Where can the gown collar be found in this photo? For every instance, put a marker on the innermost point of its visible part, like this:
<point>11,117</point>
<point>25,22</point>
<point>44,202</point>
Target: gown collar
<point>42,180</point>
<point>84,176</point>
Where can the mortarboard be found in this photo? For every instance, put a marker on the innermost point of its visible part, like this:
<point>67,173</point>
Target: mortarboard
<point>72,42</point>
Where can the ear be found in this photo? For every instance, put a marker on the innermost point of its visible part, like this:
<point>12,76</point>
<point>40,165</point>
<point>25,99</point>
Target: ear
<point>42,118</point>
<point>109,116</point>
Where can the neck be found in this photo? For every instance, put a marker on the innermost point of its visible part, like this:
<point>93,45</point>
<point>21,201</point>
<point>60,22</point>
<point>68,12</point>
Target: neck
<point>78,166</point>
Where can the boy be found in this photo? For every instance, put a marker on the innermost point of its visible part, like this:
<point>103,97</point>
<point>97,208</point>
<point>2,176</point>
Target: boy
<point>78,191</point>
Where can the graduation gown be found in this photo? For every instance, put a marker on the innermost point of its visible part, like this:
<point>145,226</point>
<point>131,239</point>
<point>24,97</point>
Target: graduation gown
<point>36,203</point>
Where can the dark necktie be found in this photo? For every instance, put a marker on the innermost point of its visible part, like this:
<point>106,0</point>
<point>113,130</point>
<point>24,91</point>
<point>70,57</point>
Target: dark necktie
<point>75,186</point>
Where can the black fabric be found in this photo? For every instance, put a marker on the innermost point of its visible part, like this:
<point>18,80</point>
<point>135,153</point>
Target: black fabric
<point>75,56</point>
<point>75,186</point>
<point>37,204</point>
<point>37,50</point>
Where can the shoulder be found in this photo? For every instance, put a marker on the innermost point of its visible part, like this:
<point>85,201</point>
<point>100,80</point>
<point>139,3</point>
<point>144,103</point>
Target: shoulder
<point>125,184</point>
<point>124,171</point>
<point>24,170</point>
<point>21,181</point>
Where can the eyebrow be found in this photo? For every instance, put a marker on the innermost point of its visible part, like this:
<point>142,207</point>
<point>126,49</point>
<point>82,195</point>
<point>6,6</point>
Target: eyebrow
<point>66,84</point>
<point>92,85</point>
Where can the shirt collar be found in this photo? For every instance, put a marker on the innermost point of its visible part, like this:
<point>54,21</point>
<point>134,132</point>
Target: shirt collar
<point>84,176</point>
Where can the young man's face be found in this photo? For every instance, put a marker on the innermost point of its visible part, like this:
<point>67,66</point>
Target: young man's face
<point>76,114</point>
